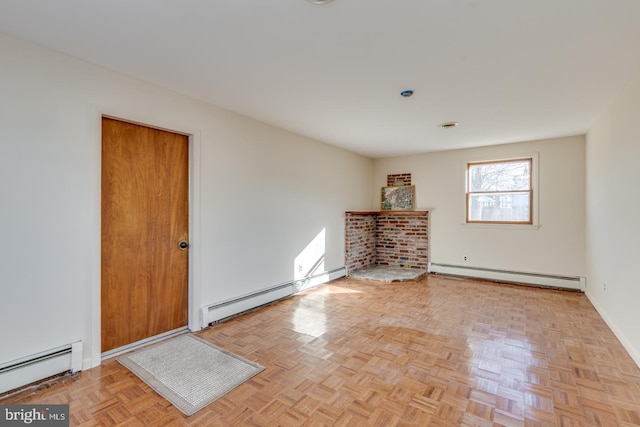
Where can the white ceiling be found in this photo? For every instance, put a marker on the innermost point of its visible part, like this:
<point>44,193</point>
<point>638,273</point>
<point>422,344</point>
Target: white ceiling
<point>507,70</point>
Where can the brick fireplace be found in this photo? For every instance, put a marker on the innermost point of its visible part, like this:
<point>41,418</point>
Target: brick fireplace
<point>386,238</point>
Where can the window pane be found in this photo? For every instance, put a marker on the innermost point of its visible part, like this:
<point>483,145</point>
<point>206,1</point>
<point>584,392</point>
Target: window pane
<point>501,176</point>
<point>507,207</point>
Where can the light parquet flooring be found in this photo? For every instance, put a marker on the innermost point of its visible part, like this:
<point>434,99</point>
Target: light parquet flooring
<point>437,352</point>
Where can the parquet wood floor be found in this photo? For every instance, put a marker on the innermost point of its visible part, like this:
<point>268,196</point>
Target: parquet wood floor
<point>437,352</point>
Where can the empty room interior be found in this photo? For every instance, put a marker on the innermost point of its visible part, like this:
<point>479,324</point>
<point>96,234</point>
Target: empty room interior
<point>296,152</point>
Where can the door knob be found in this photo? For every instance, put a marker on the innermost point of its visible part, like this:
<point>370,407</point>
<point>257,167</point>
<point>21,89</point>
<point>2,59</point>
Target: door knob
<point>183,245</point>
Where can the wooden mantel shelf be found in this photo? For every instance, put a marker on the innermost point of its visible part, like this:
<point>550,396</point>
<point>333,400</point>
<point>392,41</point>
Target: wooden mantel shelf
<point>402,213</point>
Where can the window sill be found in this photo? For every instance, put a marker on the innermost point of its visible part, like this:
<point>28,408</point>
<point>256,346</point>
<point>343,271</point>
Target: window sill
<point>502,226</point>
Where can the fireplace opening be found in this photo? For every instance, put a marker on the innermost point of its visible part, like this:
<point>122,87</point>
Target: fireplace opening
<point>387,246</point>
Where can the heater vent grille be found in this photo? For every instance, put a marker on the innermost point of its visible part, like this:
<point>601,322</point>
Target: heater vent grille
<point>36,367</point>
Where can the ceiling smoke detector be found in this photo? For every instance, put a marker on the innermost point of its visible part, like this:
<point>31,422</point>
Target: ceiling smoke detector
<point>319,1</point>
<point>447,125</point>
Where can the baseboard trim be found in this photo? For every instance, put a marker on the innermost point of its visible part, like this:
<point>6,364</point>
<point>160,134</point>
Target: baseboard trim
<point>635,355</point>
<point>224,309</point>
<point>537,279</point>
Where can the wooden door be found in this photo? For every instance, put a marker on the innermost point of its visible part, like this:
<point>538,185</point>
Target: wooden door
<point>145,210</point>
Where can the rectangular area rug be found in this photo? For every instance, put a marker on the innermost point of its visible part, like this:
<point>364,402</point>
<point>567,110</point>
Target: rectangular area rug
<point>189,372</point>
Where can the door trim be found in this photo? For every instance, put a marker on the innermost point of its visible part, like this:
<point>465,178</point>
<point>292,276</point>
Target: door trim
<point>195,147</point>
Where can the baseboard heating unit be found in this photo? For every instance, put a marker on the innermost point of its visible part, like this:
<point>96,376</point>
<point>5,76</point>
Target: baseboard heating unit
<point>221,310</point>
<point>27,370</point>
<point>547,280</point>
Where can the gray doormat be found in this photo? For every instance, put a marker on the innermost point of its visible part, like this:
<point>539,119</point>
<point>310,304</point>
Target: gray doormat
<point>189,372</point>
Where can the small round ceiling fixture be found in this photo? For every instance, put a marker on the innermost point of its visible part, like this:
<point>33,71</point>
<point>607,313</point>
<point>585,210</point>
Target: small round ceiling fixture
<point>319,1</point>
<point>406,93</point>
<point>447,125</point>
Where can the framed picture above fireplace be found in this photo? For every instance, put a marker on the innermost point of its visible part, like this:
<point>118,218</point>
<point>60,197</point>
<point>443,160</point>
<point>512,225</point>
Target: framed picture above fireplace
<point>397,198</point>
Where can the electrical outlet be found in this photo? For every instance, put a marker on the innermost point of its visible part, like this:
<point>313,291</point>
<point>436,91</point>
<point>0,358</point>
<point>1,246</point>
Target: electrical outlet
<point>465,258</point>
<point>604,286</point>
<point>299,268</point>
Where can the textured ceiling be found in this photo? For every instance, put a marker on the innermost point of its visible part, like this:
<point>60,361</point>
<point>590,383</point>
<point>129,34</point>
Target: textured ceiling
<point>507,70</point>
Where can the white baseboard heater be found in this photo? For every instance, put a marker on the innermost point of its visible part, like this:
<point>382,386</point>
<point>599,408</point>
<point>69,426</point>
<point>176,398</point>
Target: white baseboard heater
<point>537,279</point>
<point>20,372</point>
<point>221,310</point>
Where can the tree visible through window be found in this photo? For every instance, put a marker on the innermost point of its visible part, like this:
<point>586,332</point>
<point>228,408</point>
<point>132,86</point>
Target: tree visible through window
<point>500,192</point>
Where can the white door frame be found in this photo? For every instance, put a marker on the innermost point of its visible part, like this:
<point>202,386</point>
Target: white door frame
<point>94,351</point>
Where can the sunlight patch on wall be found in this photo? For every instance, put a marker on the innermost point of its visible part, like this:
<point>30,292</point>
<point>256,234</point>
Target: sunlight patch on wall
<point>311,260</point>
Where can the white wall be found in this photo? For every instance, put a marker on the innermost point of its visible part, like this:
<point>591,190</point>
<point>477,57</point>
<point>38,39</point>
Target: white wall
<point>259,195</point>
<point>555,247</point>
<point>613,220</point>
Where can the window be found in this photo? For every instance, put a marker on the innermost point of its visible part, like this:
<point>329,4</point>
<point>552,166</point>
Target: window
<point>500,192</point>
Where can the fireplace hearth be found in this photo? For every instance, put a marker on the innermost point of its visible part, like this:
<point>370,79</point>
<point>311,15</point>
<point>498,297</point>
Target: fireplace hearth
<point>385,273</point>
